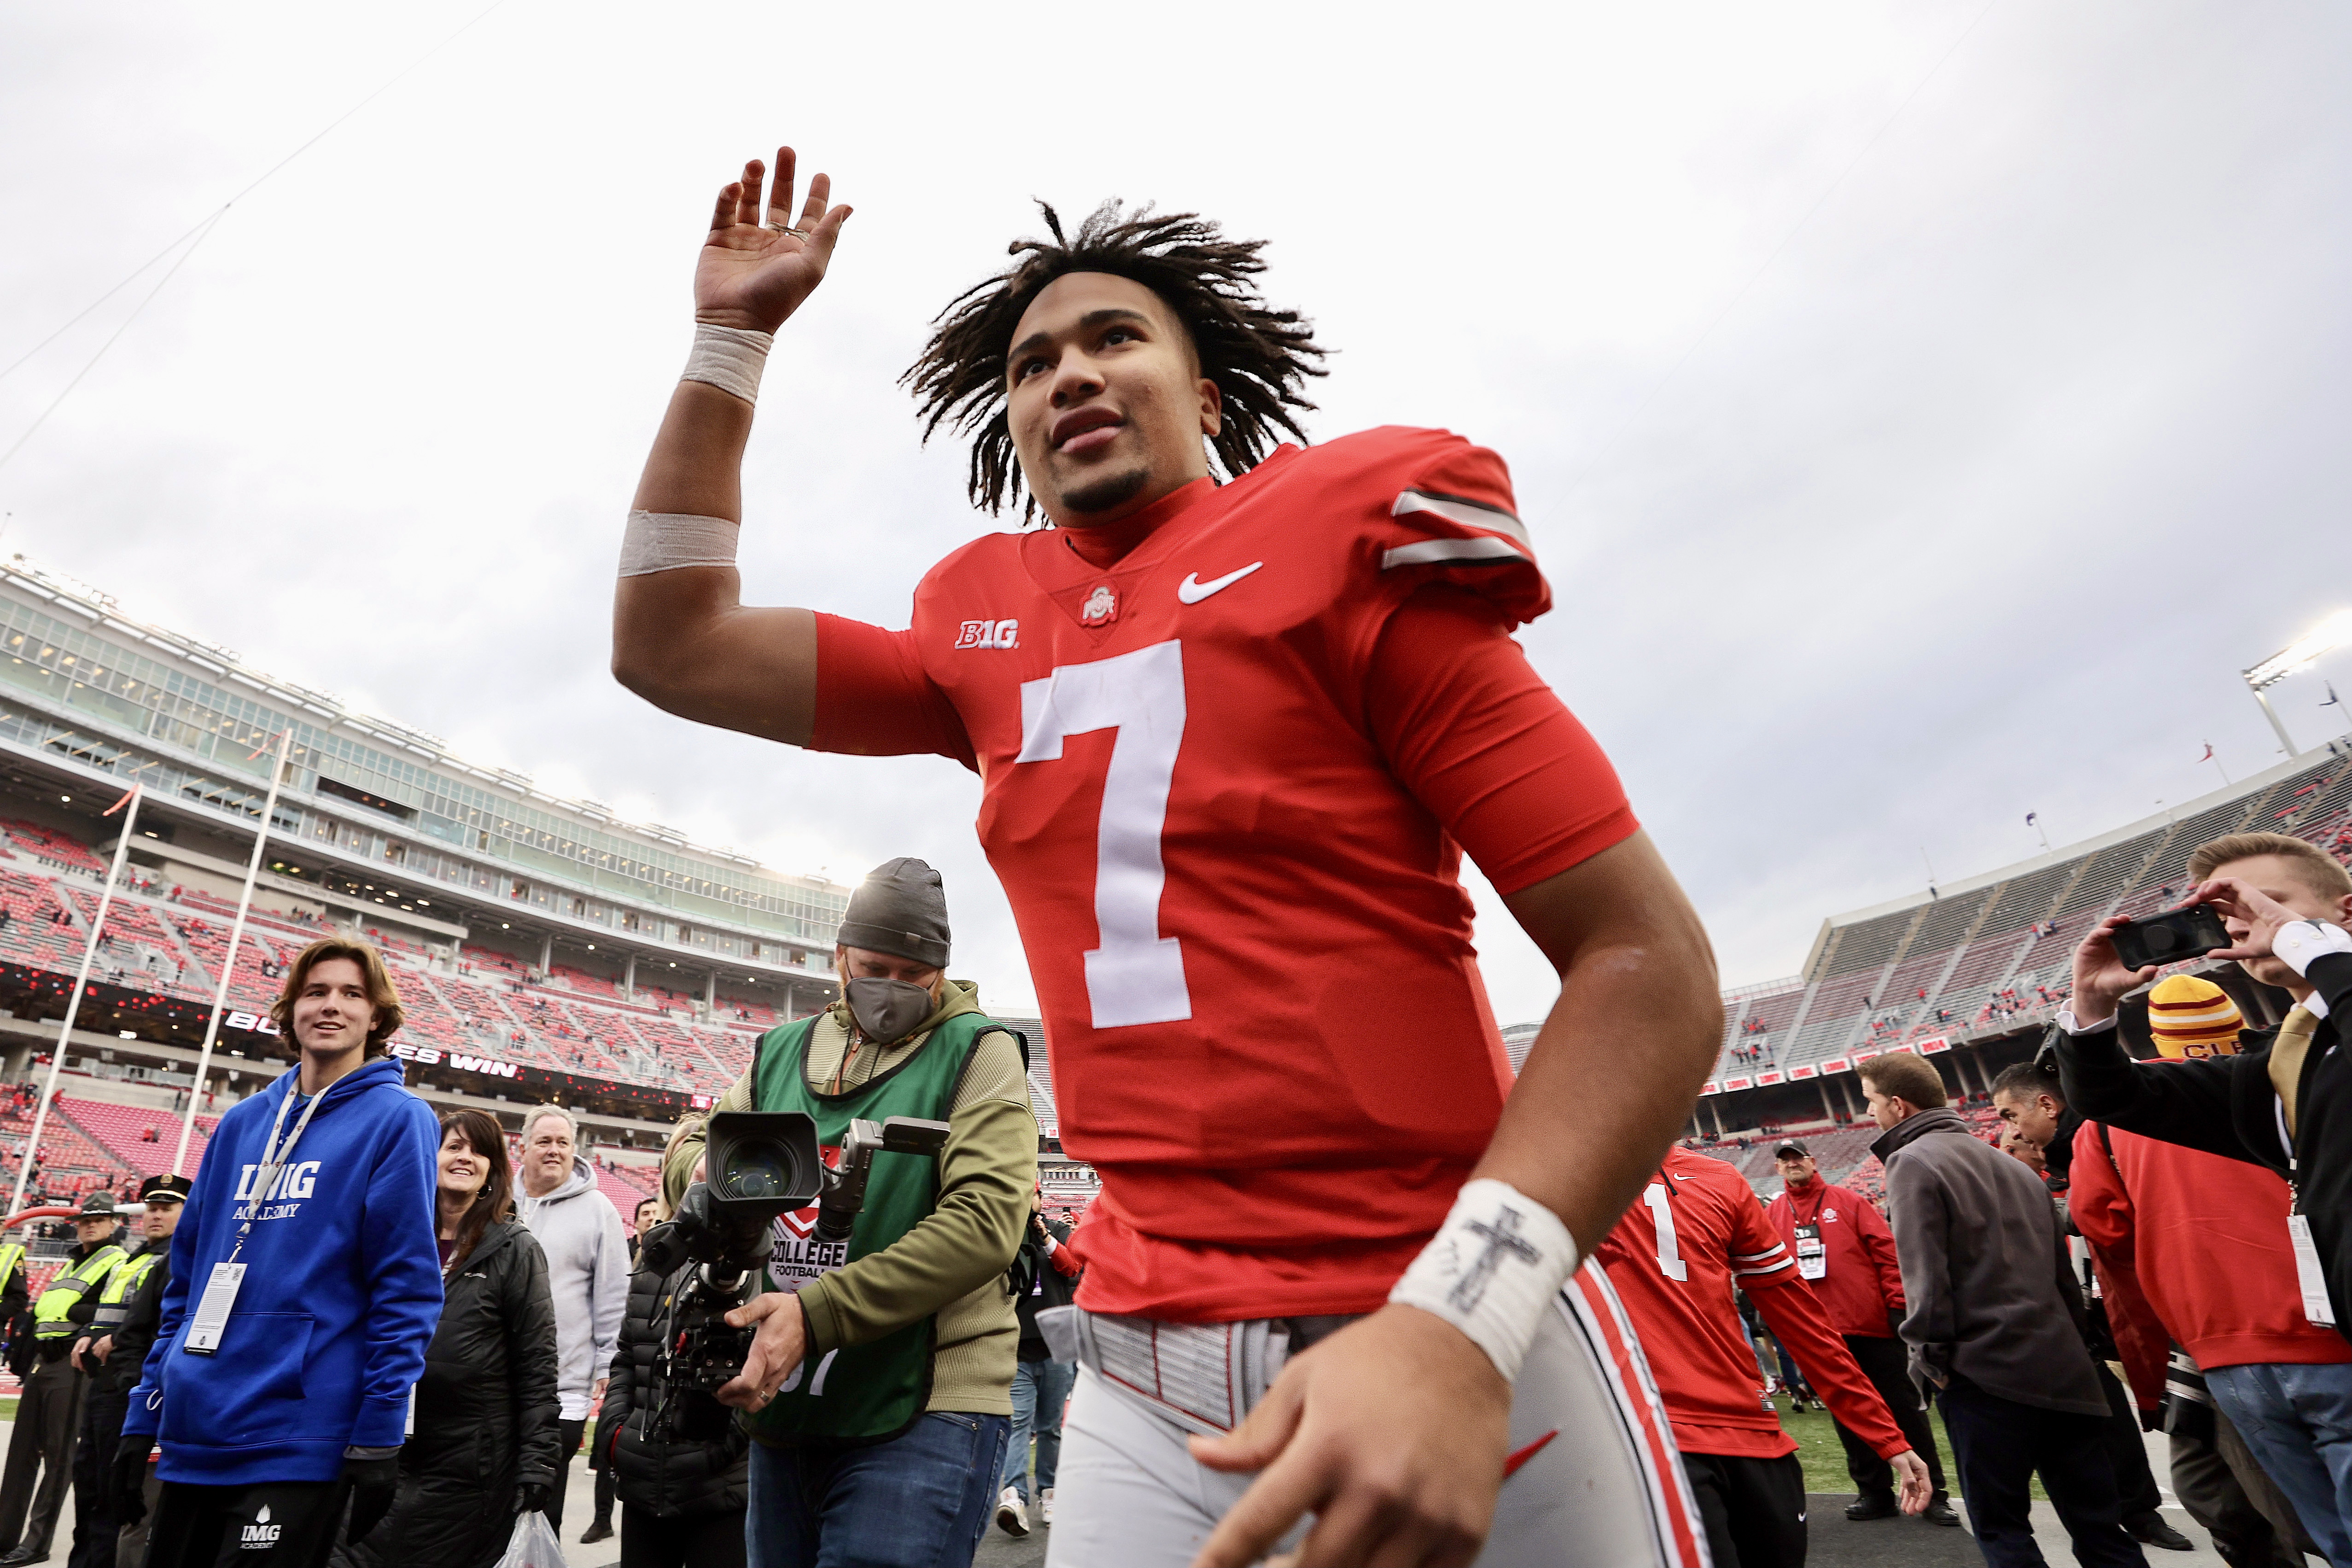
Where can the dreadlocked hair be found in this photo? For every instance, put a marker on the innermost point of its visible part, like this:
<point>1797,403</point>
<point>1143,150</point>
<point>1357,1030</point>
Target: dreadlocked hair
<point>1259,357</point>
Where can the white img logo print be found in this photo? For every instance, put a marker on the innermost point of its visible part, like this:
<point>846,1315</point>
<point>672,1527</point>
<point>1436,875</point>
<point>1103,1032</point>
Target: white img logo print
<point>296,1180</point>
<point>261,1535</point>
<point>989,634</point>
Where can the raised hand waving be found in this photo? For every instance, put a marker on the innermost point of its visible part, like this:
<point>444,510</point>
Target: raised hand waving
<point>754,273</point>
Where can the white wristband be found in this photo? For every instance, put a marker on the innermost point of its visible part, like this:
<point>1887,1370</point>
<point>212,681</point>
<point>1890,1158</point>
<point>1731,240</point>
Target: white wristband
<point>664,541</point>
<point>728,358</point>
<point>1493,1269</point>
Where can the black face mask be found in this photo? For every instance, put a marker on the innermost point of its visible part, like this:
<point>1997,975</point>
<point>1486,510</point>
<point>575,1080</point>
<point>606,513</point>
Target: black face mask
<point>888,1011</point>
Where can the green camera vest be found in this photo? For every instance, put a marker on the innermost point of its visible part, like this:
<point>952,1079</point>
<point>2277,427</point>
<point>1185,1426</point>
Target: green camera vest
<point>862,1392</point>
<point>68,1286</point>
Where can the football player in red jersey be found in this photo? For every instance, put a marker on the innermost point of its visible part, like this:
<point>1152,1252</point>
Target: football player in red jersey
<point>1233,739</point>
<point>1697,1233</point>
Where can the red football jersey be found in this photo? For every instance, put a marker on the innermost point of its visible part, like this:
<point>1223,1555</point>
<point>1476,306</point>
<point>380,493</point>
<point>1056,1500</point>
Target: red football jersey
<point>1250,942</point>
<point>1696,1231</point>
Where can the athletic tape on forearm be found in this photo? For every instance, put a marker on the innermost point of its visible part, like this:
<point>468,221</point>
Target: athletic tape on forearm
<point>1493,1269</point>
<point>664,541</point>
<point>728,358</point>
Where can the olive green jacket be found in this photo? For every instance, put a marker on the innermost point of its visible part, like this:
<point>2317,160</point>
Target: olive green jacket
<point>954,1263</point>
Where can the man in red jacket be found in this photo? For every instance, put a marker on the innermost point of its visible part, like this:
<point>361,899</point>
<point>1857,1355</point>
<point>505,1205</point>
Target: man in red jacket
<point>2202,1241</point>
<point>1697,1232</point>
<point>1844,1247</point>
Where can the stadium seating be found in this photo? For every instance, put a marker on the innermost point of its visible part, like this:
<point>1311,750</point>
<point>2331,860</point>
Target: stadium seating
<point>45,845</point>
<point>120,1131</point>
<point>1997,958</point>
<point>625,1194</point>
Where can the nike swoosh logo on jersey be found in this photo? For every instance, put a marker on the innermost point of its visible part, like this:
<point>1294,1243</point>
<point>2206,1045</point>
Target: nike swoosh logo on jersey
<point>1191,590</point>
<point>1511,1465</point>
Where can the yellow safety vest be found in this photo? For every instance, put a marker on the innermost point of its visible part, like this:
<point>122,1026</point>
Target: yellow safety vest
<point>113,1302</point>
<point>68,1286</point>
<point>12,1257</point>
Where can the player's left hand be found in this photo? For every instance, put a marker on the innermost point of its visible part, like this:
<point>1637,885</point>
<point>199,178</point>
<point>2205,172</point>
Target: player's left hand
<point>776,1348</point>
<point>2242,904</point>
<point>1392,1433</point>
<point>1912,1472</point>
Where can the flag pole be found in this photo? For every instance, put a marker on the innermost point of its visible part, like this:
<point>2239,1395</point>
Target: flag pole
<point>81,984</point>
<point>236,940</point>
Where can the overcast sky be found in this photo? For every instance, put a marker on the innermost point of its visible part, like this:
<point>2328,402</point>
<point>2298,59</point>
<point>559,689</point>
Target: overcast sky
<point>1923,410</point>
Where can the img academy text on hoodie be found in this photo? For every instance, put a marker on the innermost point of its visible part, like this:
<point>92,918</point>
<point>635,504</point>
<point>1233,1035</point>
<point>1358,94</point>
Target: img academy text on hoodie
<point>341,1294</point>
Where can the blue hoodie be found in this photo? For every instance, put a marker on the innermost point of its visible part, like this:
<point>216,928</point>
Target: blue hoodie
<point>343,1294</point>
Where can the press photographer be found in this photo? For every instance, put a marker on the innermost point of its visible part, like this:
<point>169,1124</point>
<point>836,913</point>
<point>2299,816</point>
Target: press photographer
<point>2285,1100</point>
<point>878,1381</point>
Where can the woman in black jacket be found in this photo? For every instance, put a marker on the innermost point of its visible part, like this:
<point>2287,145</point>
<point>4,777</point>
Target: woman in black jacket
<point>485,1444</point>
<point>682,1501</point>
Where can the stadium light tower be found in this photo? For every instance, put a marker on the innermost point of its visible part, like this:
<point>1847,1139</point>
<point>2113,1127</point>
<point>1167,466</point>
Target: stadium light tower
<point>2299,654</point>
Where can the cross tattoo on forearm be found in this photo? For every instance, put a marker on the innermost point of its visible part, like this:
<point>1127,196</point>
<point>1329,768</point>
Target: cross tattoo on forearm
<point>1502,1238</point>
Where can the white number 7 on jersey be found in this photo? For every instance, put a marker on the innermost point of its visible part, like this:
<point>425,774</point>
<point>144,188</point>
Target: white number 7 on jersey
<point>1137,976</point>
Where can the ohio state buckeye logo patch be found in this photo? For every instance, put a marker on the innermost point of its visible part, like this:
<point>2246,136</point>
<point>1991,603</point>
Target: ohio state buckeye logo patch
<point>1101,606</point>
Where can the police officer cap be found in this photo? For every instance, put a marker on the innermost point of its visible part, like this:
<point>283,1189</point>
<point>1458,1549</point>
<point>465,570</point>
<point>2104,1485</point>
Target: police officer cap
<point>163,1189</point>
<point>99,1206</point>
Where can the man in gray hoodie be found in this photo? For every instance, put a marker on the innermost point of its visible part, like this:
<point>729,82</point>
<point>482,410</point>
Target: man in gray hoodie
<point>1993,1321</point>
<point>587,1270</point>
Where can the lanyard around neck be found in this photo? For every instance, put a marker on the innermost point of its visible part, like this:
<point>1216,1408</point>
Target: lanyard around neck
<point>274,1159</point>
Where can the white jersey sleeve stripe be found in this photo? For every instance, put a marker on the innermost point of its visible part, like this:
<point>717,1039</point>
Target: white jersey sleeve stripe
<point>1766,1267</point>
<point>1772,1251</point>
<point>1487,548</point>
<point>1467,514</point>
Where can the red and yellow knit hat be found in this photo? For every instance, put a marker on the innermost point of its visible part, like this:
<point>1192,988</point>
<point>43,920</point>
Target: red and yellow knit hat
<point>2192,1018</point>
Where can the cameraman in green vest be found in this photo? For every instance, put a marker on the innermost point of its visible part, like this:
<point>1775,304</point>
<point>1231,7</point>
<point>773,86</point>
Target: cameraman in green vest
<point>48,1413</point>
<point>878,1388</point>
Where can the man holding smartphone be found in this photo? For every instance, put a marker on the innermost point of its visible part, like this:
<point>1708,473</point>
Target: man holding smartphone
<point>2285,1100</point>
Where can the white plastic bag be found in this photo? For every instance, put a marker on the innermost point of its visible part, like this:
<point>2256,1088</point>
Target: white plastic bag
<point>534,1545</point>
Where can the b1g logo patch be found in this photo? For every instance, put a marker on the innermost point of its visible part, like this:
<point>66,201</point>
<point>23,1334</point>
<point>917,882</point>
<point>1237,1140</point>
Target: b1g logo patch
<point>1101,606</point>
<point>989,634</point>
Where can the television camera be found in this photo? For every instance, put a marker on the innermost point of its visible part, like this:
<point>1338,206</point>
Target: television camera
<point>757,1165</point>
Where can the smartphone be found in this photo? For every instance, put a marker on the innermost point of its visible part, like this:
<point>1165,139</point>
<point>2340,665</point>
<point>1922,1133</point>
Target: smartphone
<point>2170,937</point>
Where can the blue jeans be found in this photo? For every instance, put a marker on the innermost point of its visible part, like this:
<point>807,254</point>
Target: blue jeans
<point>2298,1421</point>
<point>919,1500</point>
<point>1040,1390</point>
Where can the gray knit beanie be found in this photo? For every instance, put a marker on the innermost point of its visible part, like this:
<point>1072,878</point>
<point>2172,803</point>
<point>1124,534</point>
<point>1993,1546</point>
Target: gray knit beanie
<point>901,909</point>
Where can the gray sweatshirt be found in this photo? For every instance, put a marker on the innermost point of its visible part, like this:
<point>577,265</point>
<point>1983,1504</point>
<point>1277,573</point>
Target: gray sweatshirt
<point>1985,1281</point>
<point>587,1277</point>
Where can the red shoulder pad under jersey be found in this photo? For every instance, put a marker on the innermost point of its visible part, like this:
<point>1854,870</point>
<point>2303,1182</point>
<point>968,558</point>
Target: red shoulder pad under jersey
<point>1443,513</point>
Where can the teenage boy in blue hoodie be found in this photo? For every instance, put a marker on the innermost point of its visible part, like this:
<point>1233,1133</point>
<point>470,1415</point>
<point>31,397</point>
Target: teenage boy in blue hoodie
<point>278,1405</point>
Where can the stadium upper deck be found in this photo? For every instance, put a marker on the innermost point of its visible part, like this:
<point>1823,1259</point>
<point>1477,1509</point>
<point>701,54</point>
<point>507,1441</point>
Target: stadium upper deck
<point>1989,958</point>
<point>377,823</point>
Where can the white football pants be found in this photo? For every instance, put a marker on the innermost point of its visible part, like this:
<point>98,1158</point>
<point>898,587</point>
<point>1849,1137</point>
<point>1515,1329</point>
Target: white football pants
<point>1599,1483</point>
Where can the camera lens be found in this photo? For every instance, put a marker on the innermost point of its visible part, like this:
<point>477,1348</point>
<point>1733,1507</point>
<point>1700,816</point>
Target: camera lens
<point>2162,939</point>
<point>758,1168</point>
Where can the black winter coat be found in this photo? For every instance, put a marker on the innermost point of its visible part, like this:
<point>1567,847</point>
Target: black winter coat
<point>486,1415</point>
<point>665,1479</point>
